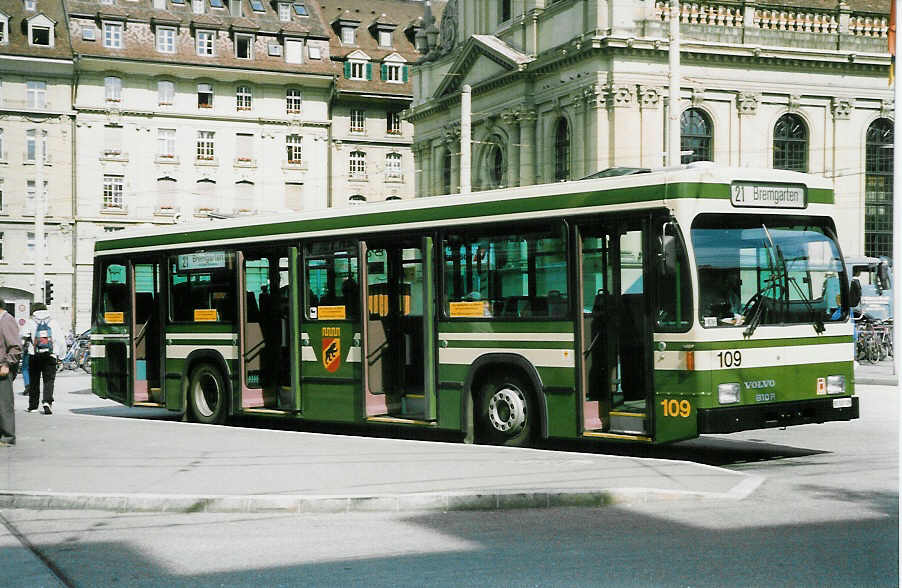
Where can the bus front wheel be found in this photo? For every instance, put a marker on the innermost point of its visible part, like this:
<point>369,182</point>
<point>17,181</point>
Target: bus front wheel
<point>505,411</point>
<point>207,395</point>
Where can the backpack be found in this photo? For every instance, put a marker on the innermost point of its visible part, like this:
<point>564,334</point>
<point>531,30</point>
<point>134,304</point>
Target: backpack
<point>43,336</point>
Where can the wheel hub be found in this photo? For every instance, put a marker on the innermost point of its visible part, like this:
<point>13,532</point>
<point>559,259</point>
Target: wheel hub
<point>507,410</point>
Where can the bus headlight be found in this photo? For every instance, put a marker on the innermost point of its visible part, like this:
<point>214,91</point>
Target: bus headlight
<point>728,393</point>
<point>836,384</point>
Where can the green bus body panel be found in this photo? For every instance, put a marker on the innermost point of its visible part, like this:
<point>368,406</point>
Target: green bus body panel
<point>339,401</point>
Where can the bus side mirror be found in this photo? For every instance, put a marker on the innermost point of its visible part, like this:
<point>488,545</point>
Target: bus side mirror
<point>668,255</point>
<point>854,293</point>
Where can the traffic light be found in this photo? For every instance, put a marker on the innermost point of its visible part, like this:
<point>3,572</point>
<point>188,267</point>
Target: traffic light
<point>48,292</point>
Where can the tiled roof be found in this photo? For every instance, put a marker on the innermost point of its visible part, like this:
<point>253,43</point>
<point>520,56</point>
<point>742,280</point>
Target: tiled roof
<point>18,31</point>
<point>142,18</point>
<point>368,13</point>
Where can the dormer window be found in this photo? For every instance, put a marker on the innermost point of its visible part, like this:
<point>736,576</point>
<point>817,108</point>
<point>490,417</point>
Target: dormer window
<point>31,5</point>
<point>216,4</point>
<point>385,38</point>
<point>394,69</point>
<point>4,29</point>
<point>348,36</point>
<point>235,8</point>
<point>197,6</point>
<point>358,66</point>
<point>284,11</point>
<point>159,4</point>
<point>40,31</point>
<point>205,40</point>
<point>300,9</point>
<point>112,35</point>
<point>244,46</point>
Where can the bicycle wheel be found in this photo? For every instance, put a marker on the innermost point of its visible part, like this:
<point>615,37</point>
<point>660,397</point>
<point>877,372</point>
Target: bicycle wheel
<point>873,351</point>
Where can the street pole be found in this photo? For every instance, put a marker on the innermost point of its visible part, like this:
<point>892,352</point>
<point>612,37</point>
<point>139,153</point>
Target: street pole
<point>673,94</point>
<point>897,202</point>
<point>39,199</point>
<point>466,116</point>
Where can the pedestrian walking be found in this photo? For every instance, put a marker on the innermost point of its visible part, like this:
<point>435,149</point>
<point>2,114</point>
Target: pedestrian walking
<point>10,350</point>
<point>47,344</point>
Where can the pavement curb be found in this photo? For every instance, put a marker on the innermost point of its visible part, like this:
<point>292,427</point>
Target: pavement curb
<point>443,501</point>
<point>878,381</point>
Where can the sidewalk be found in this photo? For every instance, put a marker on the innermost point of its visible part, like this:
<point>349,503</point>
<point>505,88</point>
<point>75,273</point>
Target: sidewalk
<point>880,373</point>
<point>96,454</point>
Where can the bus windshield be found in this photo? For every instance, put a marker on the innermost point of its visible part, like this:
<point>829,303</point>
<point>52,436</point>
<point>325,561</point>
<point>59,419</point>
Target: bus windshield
<point>762,269</point>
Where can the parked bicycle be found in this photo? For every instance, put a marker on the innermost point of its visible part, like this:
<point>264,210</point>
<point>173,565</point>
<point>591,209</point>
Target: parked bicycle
<point>874,339</point>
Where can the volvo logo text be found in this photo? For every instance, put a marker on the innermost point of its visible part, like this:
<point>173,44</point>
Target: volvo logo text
<point>760,384</point>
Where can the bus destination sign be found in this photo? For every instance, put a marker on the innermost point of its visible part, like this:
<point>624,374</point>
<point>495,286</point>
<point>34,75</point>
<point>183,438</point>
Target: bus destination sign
<point>767,195</point>
<point>202,260</point>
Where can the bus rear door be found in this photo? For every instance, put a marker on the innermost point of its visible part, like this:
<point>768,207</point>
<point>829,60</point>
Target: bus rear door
<point>111,338</point>
<point>145,326</point>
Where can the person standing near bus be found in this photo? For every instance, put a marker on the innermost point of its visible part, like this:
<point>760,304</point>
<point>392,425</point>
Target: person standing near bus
<point>46,345</point>
<point>10,350</point>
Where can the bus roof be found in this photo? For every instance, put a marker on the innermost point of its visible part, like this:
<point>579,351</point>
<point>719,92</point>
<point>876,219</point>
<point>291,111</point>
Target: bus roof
<point>693,181</point>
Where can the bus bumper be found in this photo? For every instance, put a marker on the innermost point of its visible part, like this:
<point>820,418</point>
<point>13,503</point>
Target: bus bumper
<point>783,414</point>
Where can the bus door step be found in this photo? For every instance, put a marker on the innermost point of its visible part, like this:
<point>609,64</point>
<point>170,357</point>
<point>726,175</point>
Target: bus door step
<point>627,422</point>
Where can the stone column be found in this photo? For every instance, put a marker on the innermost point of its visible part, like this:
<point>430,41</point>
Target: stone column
<point>512,119</point>
<point>528,147</point>
<point>746,108</point>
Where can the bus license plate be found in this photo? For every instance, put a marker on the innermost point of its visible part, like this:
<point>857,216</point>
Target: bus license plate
<point>842,403</point>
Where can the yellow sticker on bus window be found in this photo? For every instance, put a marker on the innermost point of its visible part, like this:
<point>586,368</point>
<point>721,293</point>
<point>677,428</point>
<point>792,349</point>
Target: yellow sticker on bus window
<point>114,318</point>
<point>468,309</point>
<point>204,315</point>
<point>330,313</point>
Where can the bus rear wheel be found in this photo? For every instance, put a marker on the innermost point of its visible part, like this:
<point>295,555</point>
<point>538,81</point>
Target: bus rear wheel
<point>505,411</point>
<point>207,396</point>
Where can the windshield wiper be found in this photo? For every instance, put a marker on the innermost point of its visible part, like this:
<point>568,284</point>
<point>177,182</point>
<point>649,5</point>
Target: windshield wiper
<point>771,282</point>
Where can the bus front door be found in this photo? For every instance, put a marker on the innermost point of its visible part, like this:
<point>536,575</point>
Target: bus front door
<point>614,335</point>
<point>266,331</point>
<point>398,339</point>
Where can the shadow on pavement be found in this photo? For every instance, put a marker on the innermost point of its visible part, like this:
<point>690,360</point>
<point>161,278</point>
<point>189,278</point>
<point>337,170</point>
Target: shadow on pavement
<point>151,414</point>
<point>706,450</point>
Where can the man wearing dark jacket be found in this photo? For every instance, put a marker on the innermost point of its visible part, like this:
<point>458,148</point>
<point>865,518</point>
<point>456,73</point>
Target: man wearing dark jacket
<point>10,351</point>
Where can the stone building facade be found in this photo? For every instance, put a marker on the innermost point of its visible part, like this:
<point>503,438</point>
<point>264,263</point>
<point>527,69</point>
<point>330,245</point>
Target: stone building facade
<point>565,88</point>
<point>178,111</point>
<point>36,72</point>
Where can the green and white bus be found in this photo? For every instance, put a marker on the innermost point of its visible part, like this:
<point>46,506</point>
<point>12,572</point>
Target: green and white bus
<point>650,307</point>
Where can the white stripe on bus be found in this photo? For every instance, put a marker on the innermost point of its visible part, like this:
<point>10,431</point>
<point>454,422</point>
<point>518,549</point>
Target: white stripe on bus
<point>757,357</point>
<point>506,336</point>
<point>211,336</point>
<point>183,351</point>
<point>538,357</point>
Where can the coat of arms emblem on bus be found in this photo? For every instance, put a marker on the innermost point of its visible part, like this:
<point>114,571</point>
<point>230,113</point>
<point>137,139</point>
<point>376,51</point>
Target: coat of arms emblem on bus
<point>331,353</point>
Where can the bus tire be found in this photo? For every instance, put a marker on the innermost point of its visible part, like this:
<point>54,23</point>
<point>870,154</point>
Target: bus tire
<point>505,411</point>
<point>207,396</point>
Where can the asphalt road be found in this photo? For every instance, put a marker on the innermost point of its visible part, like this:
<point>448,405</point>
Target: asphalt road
<point>826,515</point>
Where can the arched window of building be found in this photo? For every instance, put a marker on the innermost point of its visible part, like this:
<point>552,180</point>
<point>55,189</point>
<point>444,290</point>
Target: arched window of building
<point>562,150</point>
<point>878,186</point>
<point>495,163</point>
<point>446,172</point>
<point>355,199</point>
<point>695,135</point>
<point>791,143</point>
